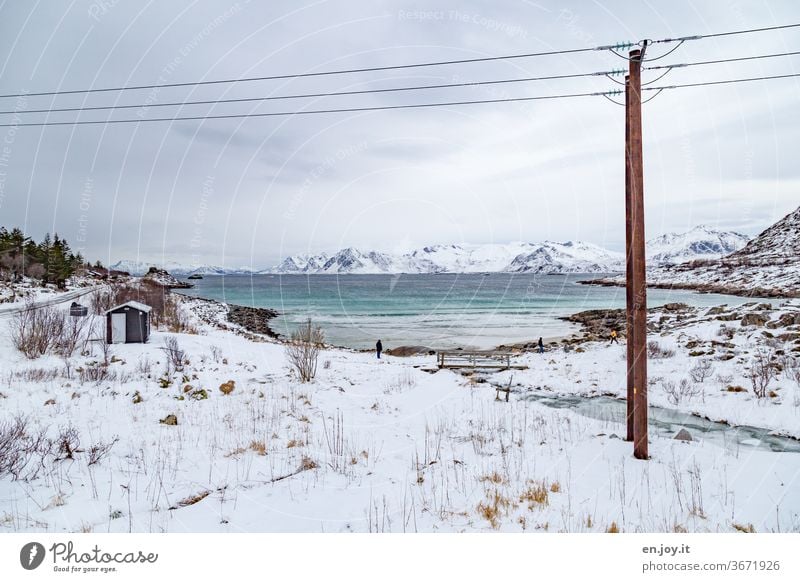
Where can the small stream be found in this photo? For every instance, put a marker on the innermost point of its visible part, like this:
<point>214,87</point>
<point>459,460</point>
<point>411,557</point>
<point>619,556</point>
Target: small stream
<point>666,423</point>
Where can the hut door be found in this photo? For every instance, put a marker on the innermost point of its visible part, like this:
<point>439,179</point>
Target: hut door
<point>118,321</point>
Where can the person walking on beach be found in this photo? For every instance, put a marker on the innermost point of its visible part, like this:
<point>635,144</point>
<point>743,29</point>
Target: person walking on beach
<point>613,337</point>
<point>379,348</point>
<point>541,346</point>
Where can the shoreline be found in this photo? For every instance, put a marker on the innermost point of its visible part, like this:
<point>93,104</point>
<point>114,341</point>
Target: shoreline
<point>704,288</point>
<point>254,320</point>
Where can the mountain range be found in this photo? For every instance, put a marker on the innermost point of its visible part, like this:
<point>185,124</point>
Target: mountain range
<point>765,266</point>
<point>701,242</point>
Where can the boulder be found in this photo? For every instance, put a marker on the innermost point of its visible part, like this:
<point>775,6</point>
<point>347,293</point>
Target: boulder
<point>404,351</point>
<point>758,319</point>
<point>683,435</point>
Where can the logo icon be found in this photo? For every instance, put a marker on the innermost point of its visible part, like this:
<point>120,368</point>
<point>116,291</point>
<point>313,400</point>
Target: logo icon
<point>31,555</point>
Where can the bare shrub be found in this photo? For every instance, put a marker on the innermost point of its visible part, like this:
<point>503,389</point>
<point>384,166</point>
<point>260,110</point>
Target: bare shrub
<point>761,372</point>
<point>69,442</point>
<point>677,392</point>
<point>144,367</point>
<point>174,318</point>
<point>73,332</point>
<point>303,350</point>
<point>175,355</point>
<point>701,370</point>
<point>95,373</point>
<point>99,337</point>
<point>23,451</point>
<point>35,330</point>
<point>656,351</point>
<point>38,375</point>
<point>100,450</point>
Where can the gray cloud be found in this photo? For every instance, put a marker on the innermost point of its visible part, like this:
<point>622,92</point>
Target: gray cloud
<point>249,191</point>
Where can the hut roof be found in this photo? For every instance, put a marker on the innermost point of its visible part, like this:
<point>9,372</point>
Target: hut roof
<point>134,304</point>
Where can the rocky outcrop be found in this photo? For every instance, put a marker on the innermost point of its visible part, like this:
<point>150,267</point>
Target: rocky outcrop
<point>164,279</point>
<point>253,319</point>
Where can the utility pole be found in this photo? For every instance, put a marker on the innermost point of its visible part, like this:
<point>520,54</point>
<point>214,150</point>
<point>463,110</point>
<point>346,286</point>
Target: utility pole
<point>628,266</point>
<point>638,305</point>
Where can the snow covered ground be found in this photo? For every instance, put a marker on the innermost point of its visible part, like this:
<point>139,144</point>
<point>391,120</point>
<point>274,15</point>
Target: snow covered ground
<point>381,445</point>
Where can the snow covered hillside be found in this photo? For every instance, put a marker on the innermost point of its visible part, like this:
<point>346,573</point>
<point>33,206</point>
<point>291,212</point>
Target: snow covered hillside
<point>767,265</point>
<point>225,438</point>
<point>702,242</point>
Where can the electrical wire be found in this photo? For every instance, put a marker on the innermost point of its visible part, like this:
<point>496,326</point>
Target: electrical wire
<point>608,74</point>
<point>310,95</point>
<point>313,74</point>
<point>390,107</point>
<point>306,112</point>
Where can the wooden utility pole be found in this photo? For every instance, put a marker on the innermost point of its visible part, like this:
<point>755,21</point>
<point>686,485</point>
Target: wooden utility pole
<point>638,297</point>
<point>628,264</point>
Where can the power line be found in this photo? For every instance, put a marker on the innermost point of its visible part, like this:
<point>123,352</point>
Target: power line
<point>390,107</point>
<point>308,112</point>
<point>612,48</point>
<point>718,61</point>
<point>729,33</point>
<point>609,74</point>
<point>309,95</point>
<point>320,73</point>
<point>723,82</point>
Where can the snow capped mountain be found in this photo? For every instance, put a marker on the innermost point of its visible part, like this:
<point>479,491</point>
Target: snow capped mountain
<point>517,257</point>
<point>547,257</point>
<point>702,242</point>
<point>567,257</point>
<point>139,268</point>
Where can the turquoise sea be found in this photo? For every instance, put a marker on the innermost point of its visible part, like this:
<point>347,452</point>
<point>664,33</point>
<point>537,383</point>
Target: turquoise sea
<point>440,311</point>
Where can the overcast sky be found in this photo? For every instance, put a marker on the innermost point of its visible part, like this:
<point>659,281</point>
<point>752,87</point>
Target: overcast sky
<point>247,192</point>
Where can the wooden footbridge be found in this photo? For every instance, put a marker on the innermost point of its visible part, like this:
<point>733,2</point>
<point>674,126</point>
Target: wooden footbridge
<point>486,360</point>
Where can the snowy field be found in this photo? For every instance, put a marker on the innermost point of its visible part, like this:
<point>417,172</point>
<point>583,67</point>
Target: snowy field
<point>386,446</point>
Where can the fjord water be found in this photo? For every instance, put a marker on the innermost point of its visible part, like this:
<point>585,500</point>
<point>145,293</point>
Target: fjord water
<point>439,311</point>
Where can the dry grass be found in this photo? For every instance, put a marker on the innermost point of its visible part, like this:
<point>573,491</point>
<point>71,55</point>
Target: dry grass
<point>613,528</point>
<point>735,389</point>
<point>493,477</point>
<point>191,500</point>
<point>555,487</point>
<point>227,387</point>
<point>259,447</point>
<point>744,528</point>
<point>494,508</point>
<point>307,463</point>
<point>535,494</point>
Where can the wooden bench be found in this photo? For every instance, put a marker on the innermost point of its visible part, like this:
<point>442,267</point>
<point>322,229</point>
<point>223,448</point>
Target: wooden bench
<point>488,360</point>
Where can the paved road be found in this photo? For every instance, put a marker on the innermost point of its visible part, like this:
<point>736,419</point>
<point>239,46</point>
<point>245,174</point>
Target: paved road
<point>10,310</point>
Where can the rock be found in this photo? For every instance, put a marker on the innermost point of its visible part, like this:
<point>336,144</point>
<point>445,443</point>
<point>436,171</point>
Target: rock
<point>50,402</point>
<point>169,420</point>
<point>254,319</point>
<point>716,310</point>
<point>404,351</point>
<point>675,307</point>
<point>683,435</point>
<point>785,320</point>
<point>758,319</point>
